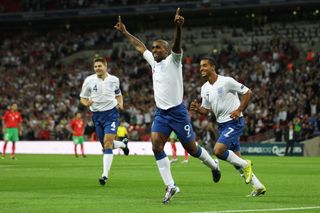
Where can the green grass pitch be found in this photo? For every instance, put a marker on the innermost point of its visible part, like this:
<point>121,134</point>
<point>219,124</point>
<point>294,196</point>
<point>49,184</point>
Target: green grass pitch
<point>63,183</point>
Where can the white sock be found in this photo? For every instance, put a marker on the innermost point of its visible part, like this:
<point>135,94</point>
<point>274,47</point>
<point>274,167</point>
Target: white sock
<point>165,171</point>
<point>118,144</point>
<point>235,160</point>
<point>107,161</point>
<point>207,159</point>
<point>255,181</point>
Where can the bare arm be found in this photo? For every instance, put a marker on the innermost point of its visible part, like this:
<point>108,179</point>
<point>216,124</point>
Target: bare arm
<point>86,102</point>
<point>134,41</point>
<point>178,20</point>
<point>243,105</point>
<point>69,128</point>
<point>195,107</point>
<point>120,101</point>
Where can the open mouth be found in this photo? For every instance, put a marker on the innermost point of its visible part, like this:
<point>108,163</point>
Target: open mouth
<point>203,73</point>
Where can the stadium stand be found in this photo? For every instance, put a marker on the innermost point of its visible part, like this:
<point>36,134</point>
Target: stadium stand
<point>43,72</point>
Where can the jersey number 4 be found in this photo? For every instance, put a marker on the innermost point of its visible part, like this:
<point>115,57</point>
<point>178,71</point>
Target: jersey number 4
<point>113,126</point>
<point>95,88</point>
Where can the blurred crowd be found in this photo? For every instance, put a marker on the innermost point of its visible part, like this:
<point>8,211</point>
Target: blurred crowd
<point>284,79</point>
<point>47,5</point>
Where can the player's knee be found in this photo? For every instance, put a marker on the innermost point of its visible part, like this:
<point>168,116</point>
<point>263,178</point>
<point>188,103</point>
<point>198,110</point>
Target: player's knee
<point>157,148</point>
<point>158,144</point>
<point>193,150</point>
<point>107,144</point>
<point>194,154</point>
<point>218,152</point>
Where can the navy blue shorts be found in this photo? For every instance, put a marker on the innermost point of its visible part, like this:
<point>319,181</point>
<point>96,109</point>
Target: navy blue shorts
<point>230,133</point>
<point>106,122</point>
<point>174,119</point>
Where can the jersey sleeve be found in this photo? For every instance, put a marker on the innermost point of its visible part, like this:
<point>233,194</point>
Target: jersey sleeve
<point>85,90</point>
<point>205,99</point>
<point>147,55</point>
<point>177,57</point>
<point>235,86</point>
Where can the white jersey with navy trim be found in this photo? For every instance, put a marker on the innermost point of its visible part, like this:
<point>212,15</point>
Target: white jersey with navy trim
<point>167,79</point>
<point>222,97</point>
<point>101,92</point>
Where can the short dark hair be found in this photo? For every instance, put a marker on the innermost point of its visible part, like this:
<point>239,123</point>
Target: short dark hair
<point>164,42</point>
<point>211,60</point>
<point>98,58</point>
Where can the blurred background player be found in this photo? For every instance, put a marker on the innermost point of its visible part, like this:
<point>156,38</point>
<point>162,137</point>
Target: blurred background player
<point>173,139</point>
<point>289,138</point>
<point>12,128</point>
<point>122,133</point>
<point>171,114</point>
<point>101,93</point>
<point>220,95</point>
<point>76,126</point>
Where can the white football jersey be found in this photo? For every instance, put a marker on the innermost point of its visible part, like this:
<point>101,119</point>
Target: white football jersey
<point>167,79</point>
<point>222,97</point>
<point>101,92</point>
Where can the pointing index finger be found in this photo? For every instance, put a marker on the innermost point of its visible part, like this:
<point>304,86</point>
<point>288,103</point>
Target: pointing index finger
<point>119,19</point>
<point>178,11</point>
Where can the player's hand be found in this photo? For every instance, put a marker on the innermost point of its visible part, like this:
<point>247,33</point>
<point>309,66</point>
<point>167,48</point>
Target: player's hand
<point>194,106</point>
<point>235,114</point>
<point>178,19</point>
<point>120,26</point>
<point>89,103</point>
<point>120,106</point>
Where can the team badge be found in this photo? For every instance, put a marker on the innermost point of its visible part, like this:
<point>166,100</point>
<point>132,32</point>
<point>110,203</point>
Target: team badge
<point>220,91</point>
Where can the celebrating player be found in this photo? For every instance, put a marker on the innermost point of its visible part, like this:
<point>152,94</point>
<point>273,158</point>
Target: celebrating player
<point>171,114</point>
<point>220,95</point>
<point>101,93</point>
<point>12,128</point>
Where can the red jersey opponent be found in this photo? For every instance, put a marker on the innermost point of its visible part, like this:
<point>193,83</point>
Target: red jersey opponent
<point>77,129</point>
<point>12,128</point>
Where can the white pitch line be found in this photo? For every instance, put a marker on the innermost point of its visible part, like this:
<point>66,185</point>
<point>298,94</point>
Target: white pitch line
<point>264,210</point>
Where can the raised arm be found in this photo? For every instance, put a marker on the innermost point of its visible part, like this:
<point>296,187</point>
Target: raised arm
<point>134,41</point>
<point>178,20</point>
